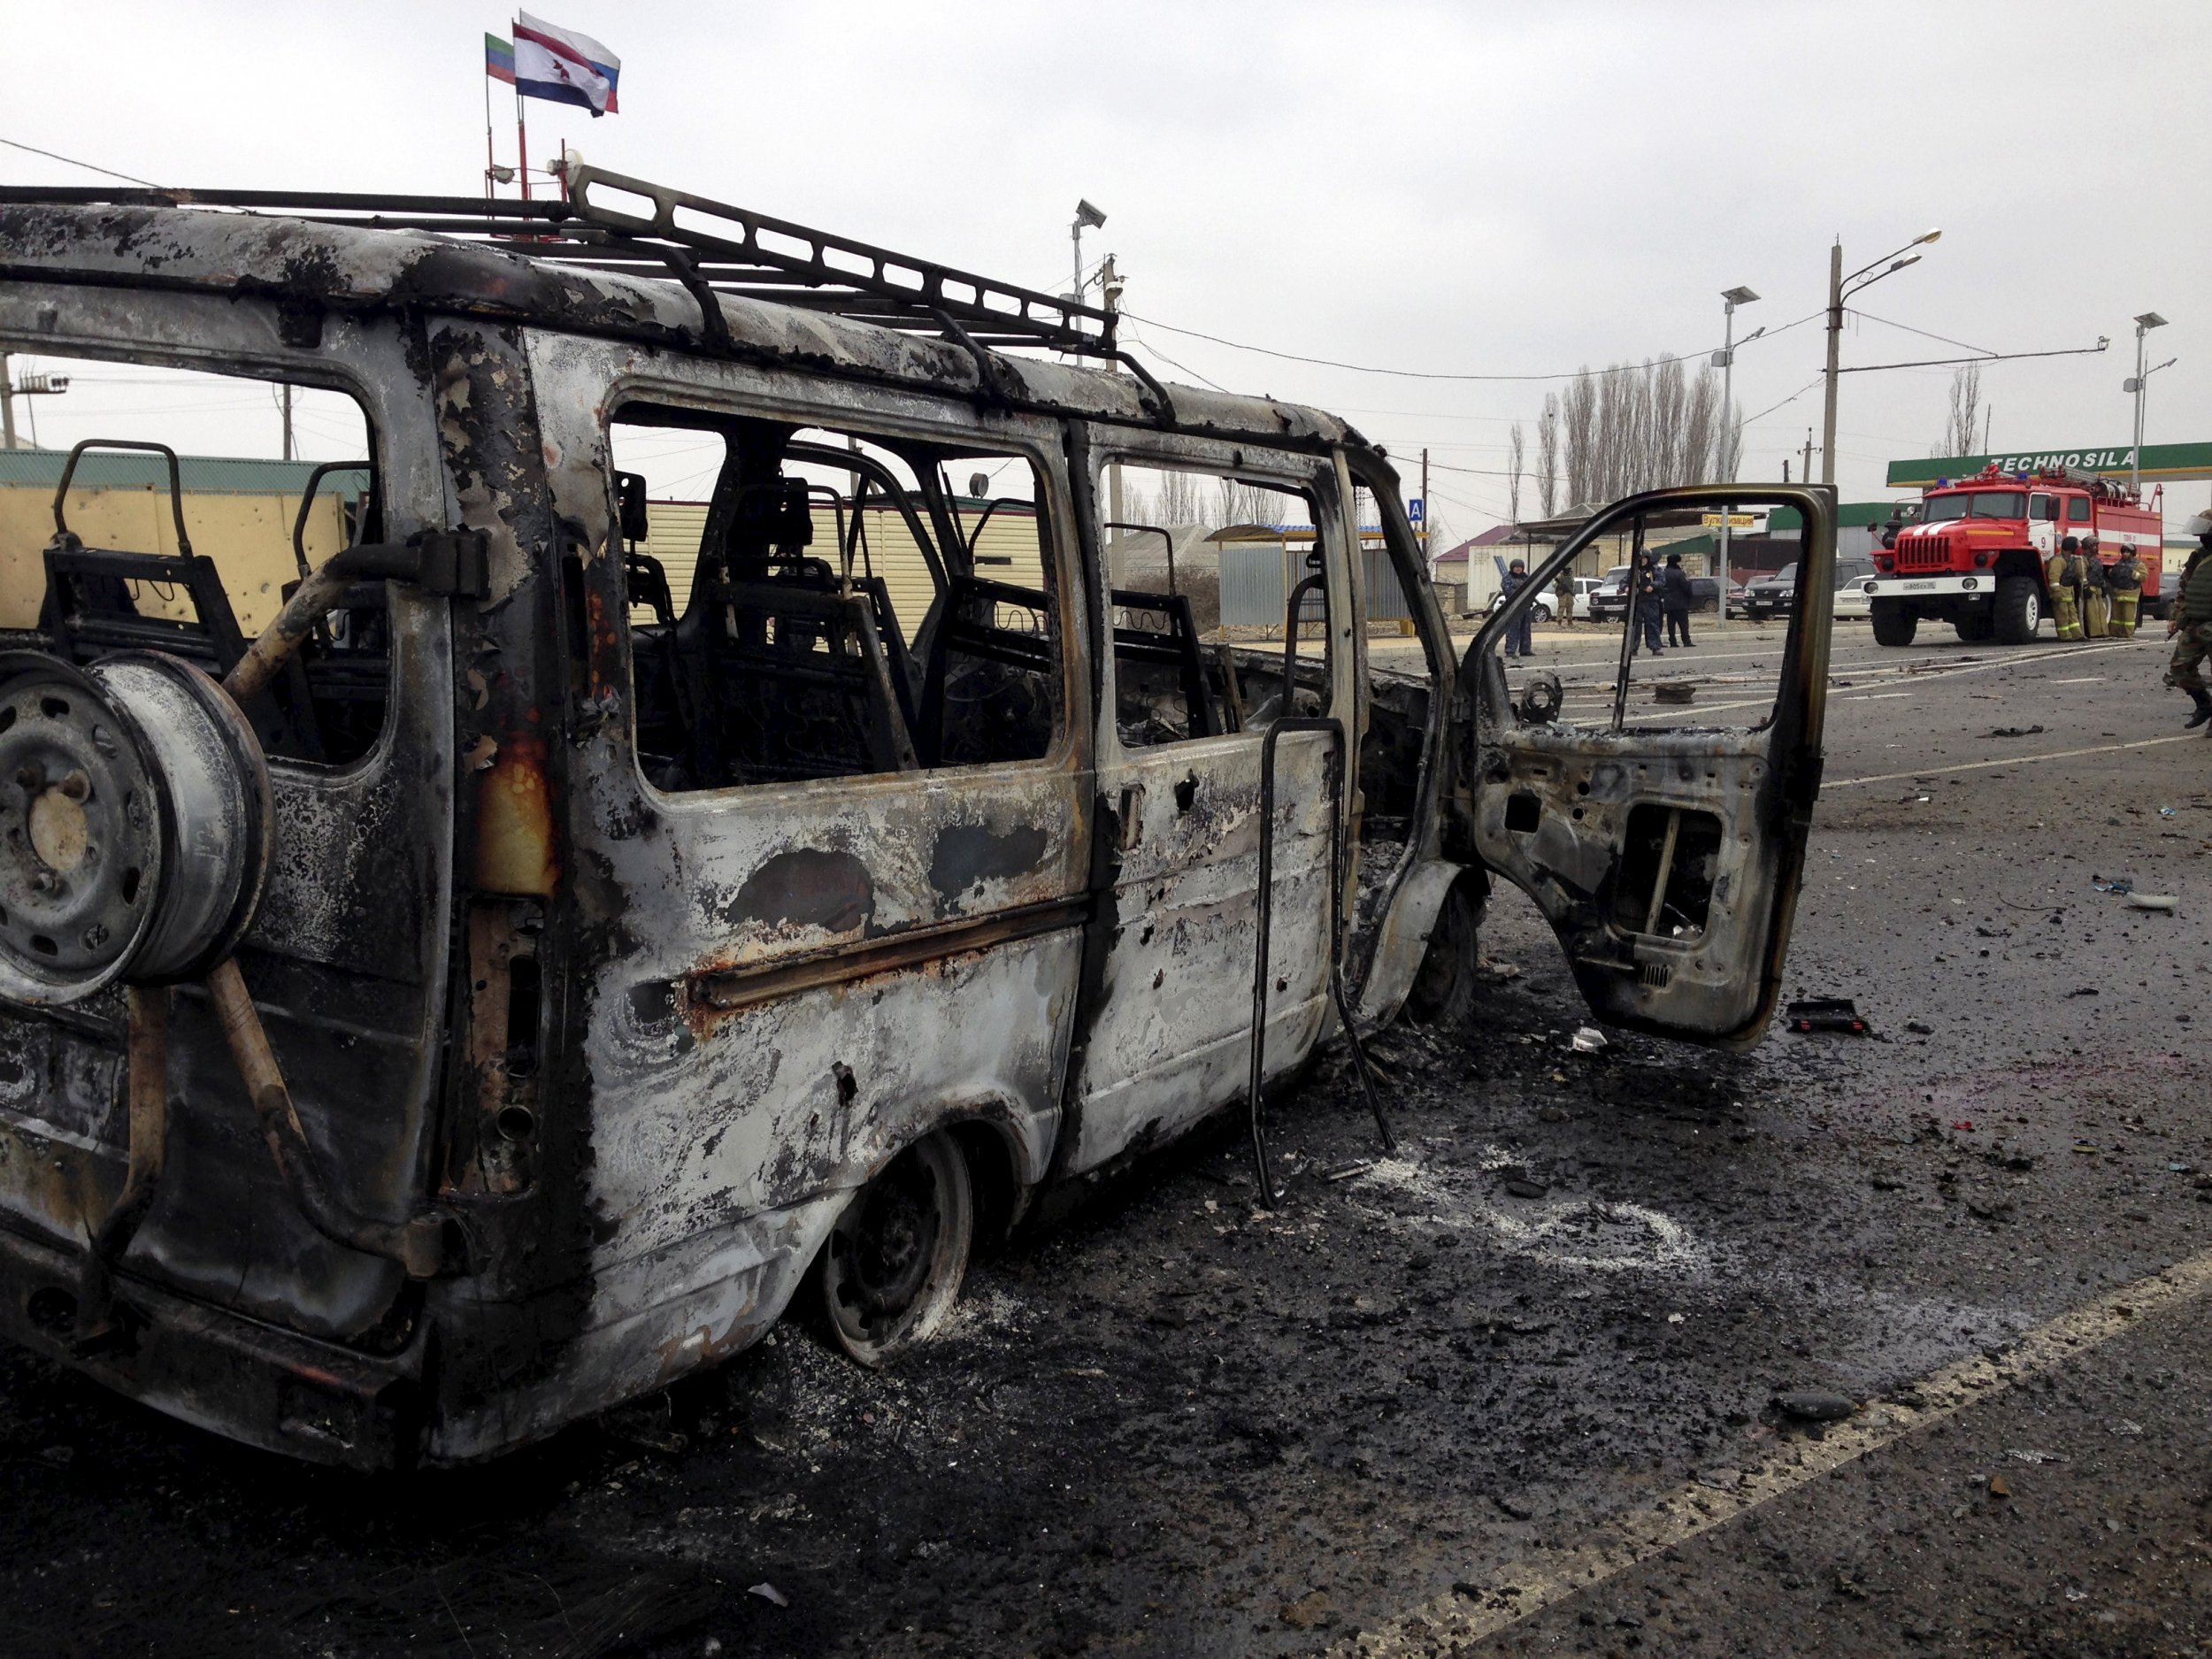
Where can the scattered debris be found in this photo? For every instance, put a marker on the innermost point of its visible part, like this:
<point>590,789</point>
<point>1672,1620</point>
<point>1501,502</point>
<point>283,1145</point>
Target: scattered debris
<point>2167,811</point>
<point>1347,1170</point>
<point>1674,691</point>
<point>1511,1510</point>
<point>1919,1029</point>
<point>2015,731</point>
<point>1526,1188</point>
<point>1309,1612</point>
<point>1588,1039</point>
<point>2162,903</point>
<point>2125,1425</point>
<point>769,1593</point>
<point>1826,1013</point>
<point>2083,990</point>
<point>2119,885</point>
<point>2085,1147</point>
<point>2030,1455</point>
<point>1816,1405</point>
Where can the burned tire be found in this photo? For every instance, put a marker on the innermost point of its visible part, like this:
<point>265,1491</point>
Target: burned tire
<point>1894,622</point>
<point>135,824</point>
<point>2019,609</point>
<point>1443,988</point>
<point>892,1266</point>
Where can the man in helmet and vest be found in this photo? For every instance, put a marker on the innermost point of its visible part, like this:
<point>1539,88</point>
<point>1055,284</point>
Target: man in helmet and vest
<point>2060,571</point>
<point>2124,581</point>
<point>2096,602</point>
<point>2191,627</point>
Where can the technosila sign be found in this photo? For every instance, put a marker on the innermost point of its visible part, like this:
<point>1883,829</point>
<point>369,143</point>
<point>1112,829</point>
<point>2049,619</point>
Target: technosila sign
<point>2088,460</point>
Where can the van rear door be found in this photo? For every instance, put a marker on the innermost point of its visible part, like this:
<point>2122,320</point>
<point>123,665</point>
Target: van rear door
<point>1665,846</point>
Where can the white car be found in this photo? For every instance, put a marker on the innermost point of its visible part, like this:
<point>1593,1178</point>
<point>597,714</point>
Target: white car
<point>1852,604</point>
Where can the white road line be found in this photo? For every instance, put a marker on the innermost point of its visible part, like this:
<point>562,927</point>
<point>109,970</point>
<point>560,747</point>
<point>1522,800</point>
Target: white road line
<point>1628,1540</point>
<point>1874,696</point>
<point>2085,679</point>
<point>2017,760</point>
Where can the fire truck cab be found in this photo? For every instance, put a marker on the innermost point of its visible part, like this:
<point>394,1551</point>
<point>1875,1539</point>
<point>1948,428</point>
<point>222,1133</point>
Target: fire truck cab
<point>1975,555</point>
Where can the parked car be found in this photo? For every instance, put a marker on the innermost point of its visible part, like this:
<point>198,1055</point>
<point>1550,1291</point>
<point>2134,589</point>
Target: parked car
<point>1610,600</point>
<point>1739,595</point>
<point>1770,596</point>
<point>1540,611</point>
<point>1852,572</point>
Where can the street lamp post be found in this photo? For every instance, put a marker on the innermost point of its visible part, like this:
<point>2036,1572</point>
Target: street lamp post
<point>1840,288</point>
<point>2144,323</point>
<point>1726,358</point>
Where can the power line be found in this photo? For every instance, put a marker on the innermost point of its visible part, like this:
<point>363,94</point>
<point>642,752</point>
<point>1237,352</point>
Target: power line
<point>73,162</point>
<point>1427,374</point>
<point>1963,345</point>
<point>1792,398</point>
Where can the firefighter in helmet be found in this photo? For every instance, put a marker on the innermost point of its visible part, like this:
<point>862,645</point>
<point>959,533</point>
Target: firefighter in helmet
<point>2062,570</point>
<point>2124,581</point>
<point>2096,604</point>
<point>2191,621</point>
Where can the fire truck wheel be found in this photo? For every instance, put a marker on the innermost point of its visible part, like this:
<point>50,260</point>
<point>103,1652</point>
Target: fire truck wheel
<point>1976,627</point>
<point>2019,609</point>
<point>892,1266</point>
<point>1893,624</point>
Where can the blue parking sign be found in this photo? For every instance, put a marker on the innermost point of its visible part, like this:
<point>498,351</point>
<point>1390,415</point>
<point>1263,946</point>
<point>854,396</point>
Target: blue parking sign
<point>1416,511</point>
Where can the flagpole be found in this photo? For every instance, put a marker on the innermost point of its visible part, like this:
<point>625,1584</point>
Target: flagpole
<point>490,161</point>
<point>522,143</point>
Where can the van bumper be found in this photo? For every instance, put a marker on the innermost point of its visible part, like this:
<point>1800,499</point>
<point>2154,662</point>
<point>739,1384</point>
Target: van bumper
<point>220,1371</point>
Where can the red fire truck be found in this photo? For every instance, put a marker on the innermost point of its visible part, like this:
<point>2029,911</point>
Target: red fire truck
<point>1974,554</point>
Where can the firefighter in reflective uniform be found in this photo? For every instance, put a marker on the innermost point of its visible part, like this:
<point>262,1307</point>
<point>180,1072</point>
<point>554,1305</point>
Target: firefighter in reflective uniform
<point>2124,582</point>
<point>2191,621</point>
<point>2059,572</point>
<point>2096,602</point>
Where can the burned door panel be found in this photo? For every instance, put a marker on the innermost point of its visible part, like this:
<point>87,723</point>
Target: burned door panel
<point>1667,859</point>
<point>346,958</point>
<point>1167,1040</point>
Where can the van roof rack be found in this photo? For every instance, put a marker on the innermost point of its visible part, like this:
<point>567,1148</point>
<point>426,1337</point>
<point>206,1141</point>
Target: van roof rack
<point>702,242</point>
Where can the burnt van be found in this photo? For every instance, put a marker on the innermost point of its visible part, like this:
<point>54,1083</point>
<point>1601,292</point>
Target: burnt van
<point>696,813</point>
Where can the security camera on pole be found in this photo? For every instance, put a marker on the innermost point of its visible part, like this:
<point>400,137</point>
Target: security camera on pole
<point>2139,383</point>
<point>1725,358</point>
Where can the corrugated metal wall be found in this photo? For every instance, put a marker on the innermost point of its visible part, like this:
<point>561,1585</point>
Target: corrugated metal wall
<point>1257,578</point>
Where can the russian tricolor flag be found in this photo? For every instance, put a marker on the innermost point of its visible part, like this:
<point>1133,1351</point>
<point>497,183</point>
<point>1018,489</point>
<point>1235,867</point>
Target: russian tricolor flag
<point>556,64</point>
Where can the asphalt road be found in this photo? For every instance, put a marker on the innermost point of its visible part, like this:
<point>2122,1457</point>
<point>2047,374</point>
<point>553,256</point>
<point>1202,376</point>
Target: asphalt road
<point>1410,1411</point>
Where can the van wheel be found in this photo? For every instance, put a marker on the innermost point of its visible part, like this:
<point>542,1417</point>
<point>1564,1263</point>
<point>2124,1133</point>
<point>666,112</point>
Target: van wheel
<point>2019,609</point>
<point>1443,988</point>
<point>1893,625</point>
<point>892,1266</point>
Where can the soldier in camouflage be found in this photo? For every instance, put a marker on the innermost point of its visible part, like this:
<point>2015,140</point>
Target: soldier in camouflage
<point>2191,627</point>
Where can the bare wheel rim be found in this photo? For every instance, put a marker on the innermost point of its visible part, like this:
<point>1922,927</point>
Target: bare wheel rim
<point>894,1261</point>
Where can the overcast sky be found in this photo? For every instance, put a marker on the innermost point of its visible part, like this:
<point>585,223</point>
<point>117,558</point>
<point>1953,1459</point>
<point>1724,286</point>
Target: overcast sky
<point>1483,189</point>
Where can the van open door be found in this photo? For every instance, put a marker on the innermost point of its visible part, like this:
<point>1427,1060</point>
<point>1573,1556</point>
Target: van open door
<point>1655,806</point>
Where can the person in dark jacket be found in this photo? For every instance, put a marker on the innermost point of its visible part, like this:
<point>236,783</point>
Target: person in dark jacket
<point>1674,600</point>
<point>1643,586</point>
<point>2191,621</point>
<point>1517,642</point>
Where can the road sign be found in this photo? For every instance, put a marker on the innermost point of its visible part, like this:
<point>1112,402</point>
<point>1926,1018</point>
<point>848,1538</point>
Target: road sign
<point>1417,510</point>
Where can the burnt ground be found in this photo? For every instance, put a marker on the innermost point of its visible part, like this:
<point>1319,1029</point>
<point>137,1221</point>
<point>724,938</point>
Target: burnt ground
<point>1176,1423</point>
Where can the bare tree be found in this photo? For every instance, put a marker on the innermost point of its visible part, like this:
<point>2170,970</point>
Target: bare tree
<point>1964,426</point>
<point>1514,452</point>
<point>1548,454</point>
<point>1643,427</point>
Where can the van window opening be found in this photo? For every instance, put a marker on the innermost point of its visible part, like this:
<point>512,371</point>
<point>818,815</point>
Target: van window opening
<point>271,480</point>
<point>808,603</point>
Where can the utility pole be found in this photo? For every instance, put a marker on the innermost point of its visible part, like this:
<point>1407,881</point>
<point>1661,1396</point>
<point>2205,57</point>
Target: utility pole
<point>287,401</point>
<point>1427,562</point>
<point>7,407</point>
<point>1897,261</point>
<point>1835,345</point>
<point>1807,473</point>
